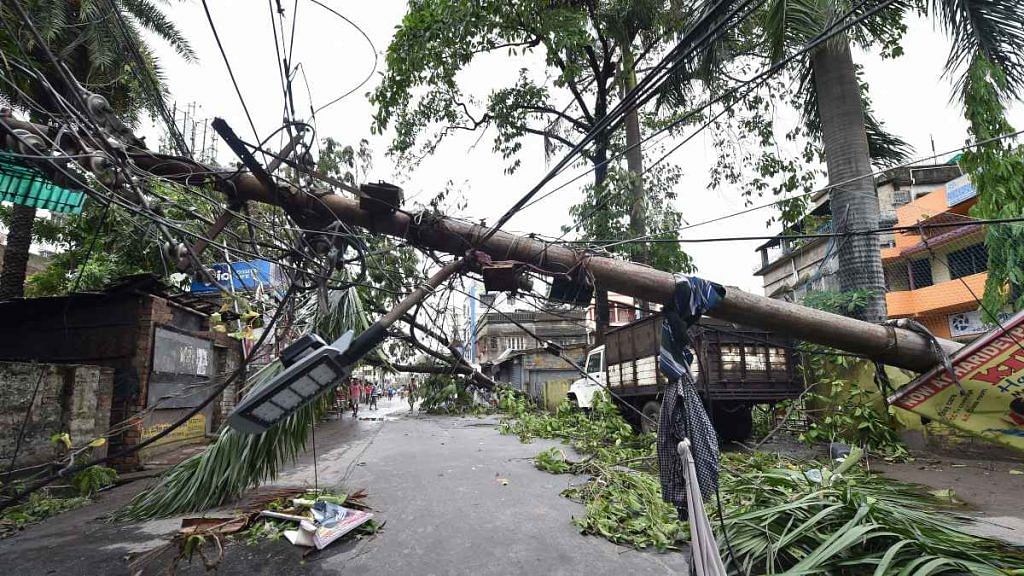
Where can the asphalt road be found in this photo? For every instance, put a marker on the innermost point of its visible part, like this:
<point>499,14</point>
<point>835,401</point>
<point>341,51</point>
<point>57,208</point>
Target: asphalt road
<point>457,498</point>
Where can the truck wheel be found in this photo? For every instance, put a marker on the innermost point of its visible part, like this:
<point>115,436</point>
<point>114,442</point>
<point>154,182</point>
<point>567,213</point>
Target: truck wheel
<point>573,401</point>
<point>650,419</point>
<point>733,421</point>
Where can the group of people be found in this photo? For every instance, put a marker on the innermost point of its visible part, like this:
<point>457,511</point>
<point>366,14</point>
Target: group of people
<point>361,391</point>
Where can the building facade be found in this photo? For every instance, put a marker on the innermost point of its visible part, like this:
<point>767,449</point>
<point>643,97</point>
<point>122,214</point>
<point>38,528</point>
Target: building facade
<point>936,274</point>
<point>498,335</point>
<point>790,268</point>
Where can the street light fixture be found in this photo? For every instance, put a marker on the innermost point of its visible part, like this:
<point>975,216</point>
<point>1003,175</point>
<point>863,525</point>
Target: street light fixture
<point>312,368</point>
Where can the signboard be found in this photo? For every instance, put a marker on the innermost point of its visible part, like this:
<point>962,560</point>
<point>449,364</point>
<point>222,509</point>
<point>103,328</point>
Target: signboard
<point>990,403</point>
<point>959,190</point>
<point>240,277</point>
<point>182,367</point>
<point>971,323</point>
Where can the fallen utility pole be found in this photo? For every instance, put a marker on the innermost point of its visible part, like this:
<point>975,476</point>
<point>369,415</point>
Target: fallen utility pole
<point>893,346</point>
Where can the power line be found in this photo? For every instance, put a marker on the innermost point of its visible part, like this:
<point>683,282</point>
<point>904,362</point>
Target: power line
<point>838,26</point>
<point>231,73</point>
<point>644,240</point>
<point>828,187</point>
<point>368,41</point>
<point>631,101</point>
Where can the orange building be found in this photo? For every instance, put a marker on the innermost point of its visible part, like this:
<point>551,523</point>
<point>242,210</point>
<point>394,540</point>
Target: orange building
<point>936,275</point>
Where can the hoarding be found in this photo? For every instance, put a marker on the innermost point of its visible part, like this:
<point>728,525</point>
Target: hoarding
<point>240,277</point>
<point>959,190</point>
<point>989,400</point>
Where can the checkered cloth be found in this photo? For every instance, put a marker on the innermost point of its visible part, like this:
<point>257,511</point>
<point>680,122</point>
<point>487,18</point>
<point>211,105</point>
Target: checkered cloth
<point>682,412</point>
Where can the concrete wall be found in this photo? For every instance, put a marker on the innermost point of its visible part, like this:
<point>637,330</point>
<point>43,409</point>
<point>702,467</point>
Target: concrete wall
<point>72,398</point>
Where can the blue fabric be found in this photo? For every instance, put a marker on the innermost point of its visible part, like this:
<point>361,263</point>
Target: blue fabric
<point>682,412</point>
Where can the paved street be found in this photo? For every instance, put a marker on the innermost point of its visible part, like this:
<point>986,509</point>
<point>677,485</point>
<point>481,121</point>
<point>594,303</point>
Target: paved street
<point>435,481</point>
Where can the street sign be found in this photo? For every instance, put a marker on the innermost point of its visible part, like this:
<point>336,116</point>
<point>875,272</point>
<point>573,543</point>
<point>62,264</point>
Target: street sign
<point>959,190</point>
<point>240,277</point>
<point>989,401</point>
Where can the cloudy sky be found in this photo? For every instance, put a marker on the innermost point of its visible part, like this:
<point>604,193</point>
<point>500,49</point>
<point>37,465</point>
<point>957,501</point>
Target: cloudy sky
<point>909,94</point>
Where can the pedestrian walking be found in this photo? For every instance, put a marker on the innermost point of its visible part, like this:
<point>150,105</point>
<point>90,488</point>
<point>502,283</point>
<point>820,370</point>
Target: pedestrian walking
<point>354,388</point>
<point>412,394</point>
<point>374,393</point>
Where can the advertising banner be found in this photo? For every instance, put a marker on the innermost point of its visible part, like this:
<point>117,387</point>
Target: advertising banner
<point>240,277</point>
<point>989,401</point>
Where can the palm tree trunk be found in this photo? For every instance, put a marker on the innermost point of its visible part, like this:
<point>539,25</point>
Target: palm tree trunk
<point>854,199</point>
<point>634,160</point>
<point>16,253</point>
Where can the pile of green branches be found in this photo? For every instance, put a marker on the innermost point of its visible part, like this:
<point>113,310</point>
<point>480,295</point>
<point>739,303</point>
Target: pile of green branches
<point>445,394</point>
<point>622,495</point>
<point>781,516</point>
<point>785,517</point>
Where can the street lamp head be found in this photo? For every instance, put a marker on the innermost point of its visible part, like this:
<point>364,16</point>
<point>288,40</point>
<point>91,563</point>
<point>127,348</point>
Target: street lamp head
<point>313,370</point>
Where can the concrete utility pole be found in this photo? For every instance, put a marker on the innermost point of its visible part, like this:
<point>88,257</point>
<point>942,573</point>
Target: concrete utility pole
<point>893,346</point>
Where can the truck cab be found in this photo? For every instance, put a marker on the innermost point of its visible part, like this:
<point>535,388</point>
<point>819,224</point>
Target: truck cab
<point>581,392</point>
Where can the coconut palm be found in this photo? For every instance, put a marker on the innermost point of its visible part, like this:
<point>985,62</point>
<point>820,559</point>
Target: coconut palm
<point>100,42</point>
<point>832,97</point>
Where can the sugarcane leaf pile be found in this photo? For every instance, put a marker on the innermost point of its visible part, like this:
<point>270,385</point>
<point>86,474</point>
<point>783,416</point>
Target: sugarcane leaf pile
<point>781,516</point>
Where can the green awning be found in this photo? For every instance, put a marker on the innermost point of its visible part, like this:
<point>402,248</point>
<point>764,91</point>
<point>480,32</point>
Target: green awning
<point>28,186</point>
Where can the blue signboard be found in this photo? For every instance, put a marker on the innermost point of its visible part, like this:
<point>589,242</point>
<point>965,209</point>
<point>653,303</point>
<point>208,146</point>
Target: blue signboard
<point>241,277</point>
<point>959,190</point>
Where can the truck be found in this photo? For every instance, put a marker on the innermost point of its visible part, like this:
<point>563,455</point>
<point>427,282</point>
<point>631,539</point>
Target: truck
<point>735,367</point>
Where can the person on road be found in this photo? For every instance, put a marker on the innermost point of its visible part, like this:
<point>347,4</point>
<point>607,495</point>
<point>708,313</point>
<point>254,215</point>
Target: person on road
<point>354,388</point>
<point>367,389</point>
<point>412,393</point>
<point>374,393</point>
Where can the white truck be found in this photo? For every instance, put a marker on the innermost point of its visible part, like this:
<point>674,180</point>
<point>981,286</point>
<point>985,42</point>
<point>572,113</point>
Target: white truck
<point>735,367</point>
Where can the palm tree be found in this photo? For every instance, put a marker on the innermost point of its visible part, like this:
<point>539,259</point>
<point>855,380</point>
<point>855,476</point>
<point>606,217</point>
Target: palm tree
<point>832,96</point>
<point>100,43</point>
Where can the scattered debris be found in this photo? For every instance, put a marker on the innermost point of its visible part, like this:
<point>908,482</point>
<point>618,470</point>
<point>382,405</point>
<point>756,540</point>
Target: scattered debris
<point>305,518</point>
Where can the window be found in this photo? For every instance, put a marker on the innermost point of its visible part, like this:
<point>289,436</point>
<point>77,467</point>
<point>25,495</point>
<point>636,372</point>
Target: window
<point>920,273</point>
<point>731,358</point>
<point>901,197</point>
<point>594,363</point>
<point>896,278</point>
<point>756,358</point>
<point>970,260</point>
<point>778,359</point>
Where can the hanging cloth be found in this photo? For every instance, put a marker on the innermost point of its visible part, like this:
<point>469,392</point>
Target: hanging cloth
<point>682,412</point>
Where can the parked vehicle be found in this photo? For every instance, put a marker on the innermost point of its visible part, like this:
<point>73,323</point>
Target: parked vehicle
<point>735,367</point>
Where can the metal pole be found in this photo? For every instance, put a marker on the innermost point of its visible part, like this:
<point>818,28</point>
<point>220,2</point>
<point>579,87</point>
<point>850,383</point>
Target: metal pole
<point>893,346</point>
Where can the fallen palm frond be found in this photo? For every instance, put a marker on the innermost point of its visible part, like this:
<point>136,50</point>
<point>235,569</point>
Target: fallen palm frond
<point>236,462</point>
<point>787,518</point>
<point>780,516</point>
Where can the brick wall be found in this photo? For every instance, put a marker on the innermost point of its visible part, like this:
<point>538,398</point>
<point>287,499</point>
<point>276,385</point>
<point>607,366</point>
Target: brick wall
<point>72,398</point>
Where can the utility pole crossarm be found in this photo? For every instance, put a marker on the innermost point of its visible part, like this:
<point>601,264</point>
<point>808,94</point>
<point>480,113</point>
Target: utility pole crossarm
<point>893,346</point>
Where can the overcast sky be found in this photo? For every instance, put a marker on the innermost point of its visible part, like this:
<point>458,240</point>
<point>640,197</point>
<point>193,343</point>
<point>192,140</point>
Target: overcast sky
<point>909,94</point>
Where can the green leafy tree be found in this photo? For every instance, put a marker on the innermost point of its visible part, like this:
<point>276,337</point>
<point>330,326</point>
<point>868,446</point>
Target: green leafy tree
<point>997,170</point>
<point>101,43</point>
<point>591,52</point>
<point>836,112</point>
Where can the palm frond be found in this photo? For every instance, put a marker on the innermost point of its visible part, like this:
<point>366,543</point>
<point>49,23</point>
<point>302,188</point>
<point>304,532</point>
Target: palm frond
<point>993,29</point>
<point>238,462</point>
<point>884,147</point>
<point>150,17</point>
